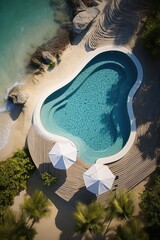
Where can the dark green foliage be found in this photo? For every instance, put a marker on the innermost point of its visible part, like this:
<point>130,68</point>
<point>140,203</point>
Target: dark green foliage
<point>151,35</point>
<point>35,207</point>
<point>150,205</point>
<point>14,227</point>
<point>121,206</point>
<point>89,218</point>
<point>51,65</point>
<point>20,226</point>
<point>14,173</point>
<point>132,230</point>
<point>151,32</point>
<point>48,179</point>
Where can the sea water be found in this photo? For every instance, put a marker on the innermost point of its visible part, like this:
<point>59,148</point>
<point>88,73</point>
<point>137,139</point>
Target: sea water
<point>24,25</point>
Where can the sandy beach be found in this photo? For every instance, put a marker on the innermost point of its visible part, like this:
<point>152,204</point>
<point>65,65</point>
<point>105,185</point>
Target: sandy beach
<point>60,224</point>
<point>35,86</point>
<point>56,226</point>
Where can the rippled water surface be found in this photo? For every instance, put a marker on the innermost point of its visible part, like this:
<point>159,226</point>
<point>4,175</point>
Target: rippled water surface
<point>24,25</point>
<point>92,109</point>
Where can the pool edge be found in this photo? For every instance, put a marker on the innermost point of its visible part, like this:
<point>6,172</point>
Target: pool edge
<point>50,136</point>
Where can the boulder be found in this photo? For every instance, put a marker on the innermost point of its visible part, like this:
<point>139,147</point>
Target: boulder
<point>17,96</point>
<point>91,3</point>
<point>54,46</point>
<point>35,62</point>
<point>82,20</point>
<point>40,70</point>
<point>48,57</point>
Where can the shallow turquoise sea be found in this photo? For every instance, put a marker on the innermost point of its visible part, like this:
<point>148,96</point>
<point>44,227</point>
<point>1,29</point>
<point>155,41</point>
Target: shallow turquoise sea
<point>24,25</point>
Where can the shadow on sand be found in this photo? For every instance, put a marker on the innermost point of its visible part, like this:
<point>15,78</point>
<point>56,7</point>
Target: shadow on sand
<point>146,105</point>
<point>64,219</point>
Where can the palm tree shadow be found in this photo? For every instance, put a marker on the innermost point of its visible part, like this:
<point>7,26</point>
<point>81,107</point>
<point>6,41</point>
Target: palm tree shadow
<point>121,20</point>
<point>64,220</point>
<point>146,105</point>
<point>150,141</point>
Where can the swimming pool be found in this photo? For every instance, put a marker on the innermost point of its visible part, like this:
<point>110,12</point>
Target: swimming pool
<point>94,109</point>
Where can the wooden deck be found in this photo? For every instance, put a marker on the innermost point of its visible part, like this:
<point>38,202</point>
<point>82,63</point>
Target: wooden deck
<point>131,169</point>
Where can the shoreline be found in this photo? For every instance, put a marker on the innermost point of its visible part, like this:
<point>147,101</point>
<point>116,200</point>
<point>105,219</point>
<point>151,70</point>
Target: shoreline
<point>34,86</point>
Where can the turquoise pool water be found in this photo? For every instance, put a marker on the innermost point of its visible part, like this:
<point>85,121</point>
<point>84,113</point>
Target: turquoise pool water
<point>92,109</point>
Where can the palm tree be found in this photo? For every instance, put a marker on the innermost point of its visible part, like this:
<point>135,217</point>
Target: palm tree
<point>89,218</point>
<point>121,206</point>
<point>15,228</point>
<point>35,207</point>
<point>131,231</point>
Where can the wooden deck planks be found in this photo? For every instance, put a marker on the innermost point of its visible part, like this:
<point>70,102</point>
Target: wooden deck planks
<point>131,170</point>
<point>135,166</point>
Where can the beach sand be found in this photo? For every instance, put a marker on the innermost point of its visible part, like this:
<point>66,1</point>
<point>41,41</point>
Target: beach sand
<point>35,86</point>
<point>60,224</point>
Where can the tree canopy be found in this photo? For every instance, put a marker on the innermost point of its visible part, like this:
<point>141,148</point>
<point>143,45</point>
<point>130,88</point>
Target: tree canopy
<point>150,205</point>
<point>132,230</point>
<point>36,207</point>
<point>121,206</point>
<point>14,173</point>
<point>89,218</point>
<point>151,32</point>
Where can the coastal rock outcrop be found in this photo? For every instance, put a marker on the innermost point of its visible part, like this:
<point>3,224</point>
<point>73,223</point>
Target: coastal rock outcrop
<point>82,20</point>
<point>48,57</point>
<point>17,96</point>
<point>55,47</point>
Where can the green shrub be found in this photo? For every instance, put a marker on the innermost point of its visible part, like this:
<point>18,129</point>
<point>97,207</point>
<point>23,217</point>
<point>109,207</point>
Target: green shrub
<point>14,173</point>
<point>51,65</point>
<point>151,31</point>
<point>150,205</point>
<point>48,179</point>
<point>151,35</point>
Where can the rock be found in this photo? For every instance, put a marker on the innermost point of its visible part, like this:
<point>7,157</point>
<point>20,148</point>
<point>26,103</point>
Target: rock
<point>17,96</point>
<point>84,18</point>
<point>37,72</point>
<point>78,6</point>
<point>91,3</point>
<point>40,70</point>
<point>35,62</point>
<point>48,57</point>
<point>54,46</point>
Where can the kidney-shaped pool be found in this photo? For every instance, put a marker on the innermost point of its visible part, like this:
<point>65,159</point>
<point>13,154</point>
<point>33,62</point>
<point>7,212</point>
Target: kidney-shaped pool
<point>94,109</point>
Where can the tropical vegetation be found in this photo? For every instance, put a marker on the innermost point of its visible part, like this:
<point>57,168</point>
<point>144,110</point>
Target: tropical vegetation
<point>151,32</point>
<point>121,206</point>
<point>150,205</point>
<point>131,230</point>
<point>36,207</point>
<point>14,173</point>
<point>48,179</point>
<point>20,226</point>
<point>89,218</point>
<point>93,220</point>
<point>14,227</point>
